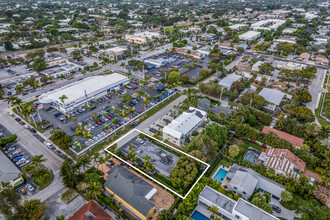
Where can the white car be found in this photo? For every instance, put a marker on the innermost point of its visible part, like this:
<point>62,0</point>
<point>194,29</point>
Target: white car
<point>26,126</point>
<point>30,187</point>
<point>49,145</point>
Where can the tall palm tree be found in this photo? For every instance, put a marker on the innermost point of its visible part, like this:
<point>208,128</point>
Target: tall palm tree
<point>85,162</point>
<point>96,156</point>
<point>214,210</point>
<point>94,189</point>
<point>62,98</point>
<point>101,160</point>
<point>35,84</point>
<point>38,159</point>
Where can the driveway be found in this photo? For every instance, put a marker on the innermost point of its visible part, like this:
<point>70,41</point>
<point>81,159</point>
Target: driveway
<point>57,207</point>
<point>285,213</point>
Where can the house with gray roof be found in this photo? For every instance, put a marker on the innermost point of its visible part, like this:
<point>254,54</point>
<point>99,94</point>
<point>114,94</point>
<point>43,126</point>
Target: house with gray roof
<point>243,183</point>
<point>274,97</point>
<point>243,179</point>
<point>229,209</point>
<point>229,79</point>
<point>131,190</point>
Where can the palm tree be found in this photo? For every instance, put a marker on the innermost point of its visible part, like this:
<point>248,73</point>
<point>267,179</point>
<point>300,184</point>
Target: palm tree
<point>82,187</point>
<point>146,101</point>
<point>28,169</point>
<point>96,156</point>
<point>106,126</point>
<point>85,161</point>
<point>87,134</point>
<point>26,111</point>
<point>101,160</point>
<point>17,103</point>
<point>79,131</point>
<point>214,211</point>
<point>94,189</point>
<point>35,84</point>
<point>140,93</point>
<point>19,88</point>
<point>147,163</point>
<point>62,98</point>
<point>38,159</point>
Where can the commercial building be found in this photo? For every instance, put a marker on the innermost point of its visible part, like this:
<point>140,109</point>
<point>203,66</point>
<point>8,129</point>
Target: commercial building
<point>283,161</point>
<point>184,125</point>
<point>237,27</point>
<point>274,97</point>
<point>132,191</point>
<point>9,173</point>
<point>269,24</point>
<point>290,65</point>
<point>141,38</point>
<point>91,210</point>
<point>229,209</point>
<point>115,53</point>
<point>63,69</point>
<point>80,92</point>
<point>250,35</point>
<point>245,181</point>
<point>229,79</point>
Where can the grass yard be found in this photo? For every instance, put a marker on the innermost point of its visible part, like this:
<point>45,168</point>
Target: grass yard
<point>294,203</point>
<point>243,148</point>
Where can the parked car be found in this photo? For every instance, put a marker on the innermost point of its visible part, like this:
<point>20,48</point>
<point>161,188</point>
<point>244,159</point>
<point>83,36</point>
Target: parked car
<point>276,208</point>
<point>30,187</point>
<point>152,130</point>
<point>50,146</point>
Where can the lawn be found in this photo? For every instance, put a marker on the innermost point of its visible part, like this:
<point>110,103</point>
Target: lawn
<point>326,110</point>
<point>243,148</point>
<point>294,203</point>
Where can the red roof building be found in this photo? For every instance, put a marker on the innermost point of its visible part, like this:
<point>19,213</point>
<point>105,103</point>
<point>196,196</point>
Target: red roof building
<point>284,161</point>
<point>295,141</point>
<point>90,211</point>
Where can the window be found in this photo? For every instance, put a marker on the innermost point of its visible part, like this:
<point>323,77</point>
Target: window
<point>235,187</point>
<point>244,192</point>
<point>237,216</point>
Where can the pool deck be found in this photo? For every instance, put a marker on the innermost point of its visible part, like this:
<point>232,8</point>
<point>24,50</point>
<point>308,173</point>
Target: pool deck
<point>203,209</point>
<point>220,167</point>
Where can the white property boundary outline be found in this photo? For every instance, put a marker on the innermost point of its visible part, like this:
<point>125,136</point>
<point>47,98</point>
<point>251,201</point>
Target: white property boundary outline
<point>167,145</point>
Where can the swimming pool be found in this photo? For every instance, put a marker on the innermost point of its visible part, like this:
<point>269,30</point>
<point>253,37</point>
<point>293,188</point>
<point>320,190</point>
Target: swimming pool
<point>198,216</point>
<point>250,157</point>
<point>221,174</point>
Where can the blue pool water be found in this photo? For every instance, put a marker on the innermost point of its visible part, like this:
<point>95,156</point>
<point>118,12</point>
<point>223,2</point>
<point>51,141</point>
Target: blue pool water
<point>198,216</point>
<point>221,174</point>
<point>250,157</point>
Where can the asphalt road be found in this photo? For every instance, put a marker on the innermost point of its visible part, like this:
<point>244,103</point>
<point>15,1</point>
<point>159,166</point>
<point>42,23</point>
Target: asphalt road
<point>30,142</point>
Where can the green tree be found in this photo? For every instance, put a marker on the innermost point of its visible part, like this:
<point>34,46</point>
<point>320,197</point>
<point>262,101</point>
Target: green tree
<point>262,200</point>
<point>69,174</point>
<point>147,163</point>
<point>266,68</point>
<point>174,76</point>
<point>286,196</point>
<point>94,189</point>
<point>39,64</point>
<point>304,96</point>
<point>311,209</point>
<point>233,150</point>
<point>303,114</point>
<point>32,210</point>
<point>38,159</point>
<point>132,153</point>
<point>9,202</point>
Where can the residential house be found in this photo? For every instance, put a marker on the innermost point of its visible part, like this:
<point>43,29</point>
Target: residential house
<point>304,56</point>
<point>132,191</point>
<point>229,80</point>
<point>184,125</point>
<point>274,97</point>
<point>91,210</point>
<point>295,141</point>
<point>283,161</point>
<point>245,181</point>
<point>228,209</point>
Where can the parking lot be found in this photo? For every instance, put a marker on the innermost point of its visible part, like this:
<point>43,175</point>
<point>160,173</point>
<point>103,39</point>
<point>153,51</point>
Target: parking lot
<point>179,60</point>
<point>102,116</point>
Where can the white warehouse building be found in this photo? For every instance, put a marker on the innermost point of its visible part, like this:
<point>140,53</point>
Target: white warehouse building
<point>250,35</point>
<point>184,125</point>
<point>80,92</point>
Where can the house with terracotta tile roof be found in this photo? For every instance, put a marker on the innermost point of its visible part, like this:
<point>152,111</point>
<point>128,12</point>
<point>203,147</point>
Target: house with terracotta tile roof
<point>91,210</point>
<point>304,56</point>
<point>295,141</point>
<point>283,161</point>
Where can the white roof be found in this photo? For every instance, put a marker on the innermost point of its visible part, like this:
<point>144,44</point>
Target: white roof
<point>77,90</point>
<point>273,95</point>
<point>117,49</point>
<point>229,79</point>
<point>185,122</point>
<point>249,34</point>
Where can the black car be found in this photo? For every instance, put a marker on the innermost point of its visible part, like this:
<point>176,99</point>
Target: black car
<point>276,208</point>
<point>134,124</point>
<point>152,130</point>
<point>33,130</point>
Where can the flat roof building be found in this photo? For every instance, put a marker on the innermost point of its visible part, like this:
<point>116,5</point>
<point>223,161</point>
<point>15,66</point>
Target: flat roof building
<point>80,92</point>
<point>269,24</point>
<point>250,35</point>
<point>184,125</point>
<point>228,208</point>
<point>9,173</point>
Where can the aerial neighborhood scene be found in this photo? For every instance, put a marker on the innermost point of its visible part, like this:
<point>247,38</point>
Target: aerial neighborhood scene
<point>164,110</point>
